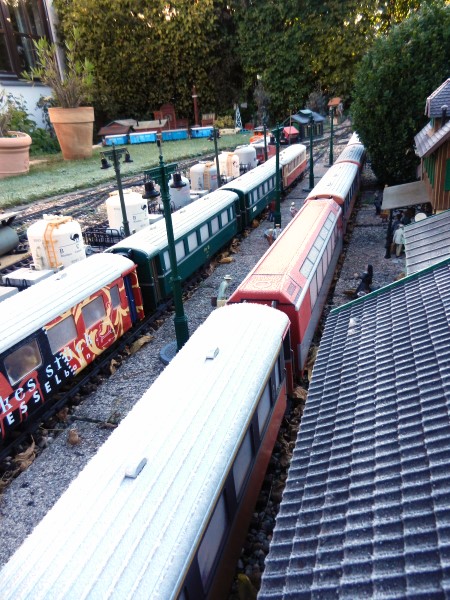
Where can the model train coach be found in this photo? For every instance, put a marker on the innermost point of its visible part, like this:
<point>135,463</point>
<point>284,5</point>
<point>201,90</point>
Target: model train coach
<point>164,517</point>
<point>134,276</point>
<point>54,329</point>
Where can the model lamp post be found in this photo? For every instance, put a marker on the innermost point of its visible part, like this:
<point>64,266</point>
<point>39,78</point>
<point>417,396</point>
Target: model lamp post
<point>389,235</point>
<point>214,136</point>
<point>264,133</point>
<point>330,162</point>
<point>161,175</point>
<point>311,159</point>
<point>277,215</point>
<point>115,154</point>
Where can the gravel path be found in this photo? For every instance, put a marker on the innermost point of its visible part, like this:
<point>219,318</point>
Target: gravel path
<point>32,494</point>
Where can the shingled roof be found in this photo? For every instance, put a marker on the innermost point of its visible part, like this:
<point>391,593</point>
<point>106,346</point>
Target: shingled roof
<point>427,142</point>
<point>366,508</point>
<point>439,98</point>
<point>427,242</point>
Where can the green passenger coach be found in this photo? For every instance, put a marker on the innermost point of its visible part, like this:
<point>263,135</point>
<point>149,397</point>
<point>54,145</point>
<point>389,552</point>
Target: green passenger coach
<point>200,230</point>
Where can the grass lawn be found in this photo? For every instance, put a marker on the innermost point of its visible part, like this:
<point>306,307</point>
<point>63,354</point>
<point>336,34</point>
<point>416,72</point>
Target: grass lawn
<point>52,175</point>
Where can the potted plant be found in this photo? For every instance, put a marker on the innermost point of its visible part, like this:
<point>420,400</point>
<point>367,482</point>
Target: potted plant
<point>14,145</point>
<point>73,122</point>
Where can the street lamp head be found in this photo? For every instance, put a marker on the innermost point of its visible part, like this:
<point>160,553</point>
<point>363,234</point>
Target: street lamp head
<point>149,190</point>
<point>177,181</point>
<point>105,163</point>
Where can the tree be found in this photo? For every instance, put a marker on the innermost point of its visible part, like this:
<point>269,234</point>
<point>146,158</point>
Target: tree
<point>395,77</point>
<point>297,46</point>
<point>148,53</point>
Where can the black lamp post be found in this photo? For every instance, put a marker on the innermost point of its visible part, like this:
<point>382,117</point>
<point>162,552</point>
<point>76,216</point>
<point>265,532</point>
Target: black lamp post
<point>311,159</point>
<point>277,215</point>
<point>264,133</point>
<point>331,136</point>
<point>160,175</point>
<point>389,235</point>
<point>214,136</point>
<point>115,154</point>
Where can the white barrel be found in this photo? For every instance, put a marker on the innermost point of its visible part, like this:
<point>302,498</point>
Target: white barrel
<point>247,157</point>
<point>229,164</point>
<point>196,175</point>
<point>55,242</point>
<point>179,190</point>
<point>203,176</point>
<point>135,207</point>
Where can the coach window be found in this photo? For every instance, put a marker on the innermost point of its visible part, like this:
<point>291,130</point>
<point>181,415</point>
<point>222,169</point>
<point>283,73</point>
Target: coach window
<point>277,374</point>
<point>93,312</point>
<point>224,217</point>
<point>192,241</point>
<point>166,260</point>
<point>242,463</point>
<point>179,250</point>
<point>264,407</point>
<point>204,232</point>
<point>22,361</point>
<point>115,296</point>
<point>212,540</point>
<point>313,253</point>
<point>306,268</point>
<point>214,225</point>
<point>61,334</point>
<point>21,23</point>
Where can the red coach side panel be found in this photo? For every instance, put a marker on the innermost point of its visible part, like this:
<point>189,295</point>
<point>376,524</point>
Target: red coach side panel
<point>284,275</point>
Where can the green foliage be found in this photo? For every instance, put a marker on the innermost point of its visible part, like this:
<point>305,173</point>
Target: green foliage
<point>149,53</point>
<point>76,85</point>
<point>298,46</point>
<point>14,116</point>
<point>225,122</point>
<point>394,80</point>
<point>6,112</point>
<point>43,141</point>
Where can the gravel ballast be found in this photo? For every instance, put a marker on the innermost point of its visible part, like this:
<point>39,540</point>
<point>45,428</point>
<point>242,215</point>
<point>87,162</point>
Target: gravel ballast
<point>28,498</point>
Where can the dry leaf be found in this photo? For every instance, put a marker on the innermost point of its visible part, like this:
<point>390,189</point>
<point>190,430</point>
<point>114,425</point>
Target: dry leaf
<point>26,454</point>
<point>226,260</point>
<point>300,393</point>
<point>113,366</point>
<point>137,345</point>
<point>73,438</point>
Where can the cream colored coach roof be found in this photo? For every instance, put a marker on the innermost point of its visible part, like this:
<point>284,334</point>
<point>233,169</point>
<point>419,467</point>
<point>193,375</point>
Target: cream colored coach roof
<point>111,536</point>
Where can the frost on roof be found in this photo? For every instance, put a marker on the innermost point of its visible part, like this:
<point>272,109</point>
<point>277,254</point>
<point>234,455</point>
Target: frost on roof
<point>365,513</point>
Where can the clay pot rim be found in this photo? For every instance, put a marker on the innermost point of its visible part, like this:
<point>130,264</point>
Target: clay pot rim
<point>17,138</point>
<point>81,114</point>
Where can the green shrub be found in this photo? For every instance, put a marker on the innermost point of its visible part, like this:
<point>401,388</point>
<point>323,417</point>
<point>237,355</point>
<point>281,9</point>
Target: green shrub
<point>225,122</point>
<point>43,141</point>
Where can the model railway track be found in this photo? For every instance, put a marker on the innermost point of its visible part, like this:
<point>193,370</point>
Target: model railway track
<point>62,399</point>
<point>85,201</point>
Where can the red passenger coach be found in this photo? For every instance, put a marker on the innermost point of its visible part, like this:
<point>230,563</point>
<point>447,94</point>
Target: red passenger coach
<point>294,275</point>
<point>341,184</point>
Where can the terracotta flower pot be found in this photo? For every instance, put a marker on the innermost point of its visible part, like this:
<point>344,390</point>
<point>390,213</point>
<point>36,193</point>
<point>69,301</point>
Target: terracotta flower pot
<point>14,154</point>
<point>74,128</point>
